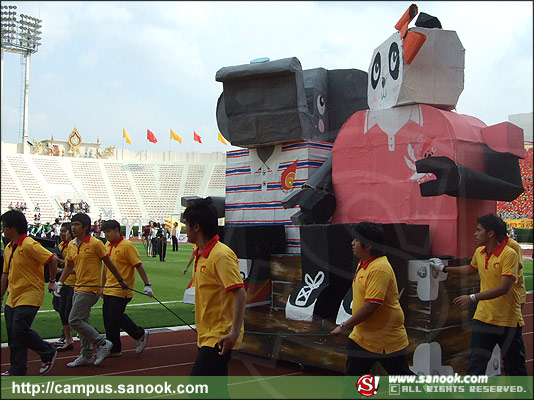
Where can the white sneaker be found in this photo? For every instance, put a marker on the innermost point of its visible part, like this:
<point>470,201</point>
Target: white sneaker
<point>141,343</point>
<point>103,351</point>
<point>47,366</point>
<point>82,361</point>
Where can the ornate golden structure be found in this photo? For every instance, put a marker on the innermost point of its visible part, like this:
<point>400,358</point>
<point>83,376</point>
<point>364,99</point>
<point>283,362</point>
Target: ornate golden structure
<point>73,147</point>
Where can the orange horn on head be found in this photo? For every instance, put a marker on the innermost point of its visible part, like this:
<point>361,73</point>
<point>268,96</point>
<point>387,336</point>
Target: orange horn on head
<point>409,14</point>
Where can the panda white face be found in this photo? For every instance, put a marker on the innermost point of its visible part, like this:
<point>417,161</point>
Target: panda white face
<point>385,74</point>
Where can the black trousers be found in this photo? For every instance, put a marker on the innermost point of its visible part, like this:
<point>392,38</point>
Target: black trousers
<point>63,304</point>
<point>360,361</point>
<point>210,363</point>
<point>155,248</point>
<point>174,243</point>
<point>484,337</point>
<point>21,337</point>
<point>115,319</point>
<point>162,243</point>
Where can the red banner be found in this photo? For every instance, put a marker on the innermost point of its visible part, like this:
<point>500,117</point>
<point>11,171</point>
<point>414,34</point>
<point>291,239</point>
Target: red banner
<point>150,136</point>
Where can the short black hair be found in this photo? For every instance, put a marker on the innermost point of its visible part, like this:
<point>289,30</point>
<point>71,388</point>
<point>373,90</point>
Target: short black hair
<point>504,234</point>
<point>84,219</point>
<point>371,234</point>
<point>491,222</point>
<point>15,219</point>
<point>203,213</point>
<point>68,226</point>
<point>111,224</point>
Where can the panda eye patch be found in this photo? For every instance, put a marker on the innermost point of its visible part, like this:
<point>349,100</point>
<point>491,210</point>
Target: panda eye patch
<point>376,71</point>
<point>394,60</point>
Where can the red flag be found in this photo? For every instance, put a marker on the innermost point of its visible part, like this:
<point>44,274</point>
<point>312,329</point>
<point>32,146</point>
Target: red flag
<point>150,136</point>
<point>196,138</point>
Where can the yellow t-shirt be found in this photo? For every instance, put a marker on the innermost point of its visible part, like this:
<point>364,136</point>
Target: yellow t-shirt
<point>384,330</point>
<point>126,258</point>
<point>521,278</point>
<point>87,258</point>
<point>503,310</point>
<point>216,273</point>
<point>26,272</point>
<point>63,247</point>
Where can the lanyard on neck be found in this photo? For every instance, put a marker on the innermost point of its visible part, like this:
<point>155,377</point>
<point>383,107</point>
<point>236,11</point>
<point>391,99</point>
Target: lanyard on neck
<point>11,257</point>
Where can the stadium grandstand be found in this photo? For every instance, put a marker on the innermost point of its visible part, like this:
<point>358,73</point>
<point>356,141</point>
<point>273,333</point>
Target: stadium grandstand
<point>521,208</point>
<point>123,184</point>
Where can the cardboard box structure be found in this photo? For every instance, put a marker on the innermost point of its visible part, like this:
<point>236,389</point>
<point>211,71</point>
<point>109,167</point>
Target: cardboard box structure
<point>277,102</point>
<point>407,162</point>
<point>255,189</point>
<point>375,176</point>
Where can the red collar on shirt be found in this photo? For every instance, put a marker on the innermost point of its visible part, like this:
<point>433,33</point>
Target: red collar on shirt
<point>19,242</point>
<point>497,250</point>
<point>206,250</point>
<point>117,242</point>
<point>365,264</point>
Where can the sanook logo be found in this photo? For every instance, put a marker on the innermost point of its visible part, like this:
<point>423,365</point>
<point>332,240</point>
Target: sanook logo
<point>367,385</point>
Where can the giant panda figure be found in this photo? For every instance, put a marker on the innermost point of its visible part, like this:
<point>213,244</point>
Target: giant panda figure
<point>410,158</point>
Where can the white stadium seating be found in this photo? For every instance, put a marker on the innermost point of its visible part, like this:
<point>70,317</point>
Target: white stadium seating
<point>130,188</point>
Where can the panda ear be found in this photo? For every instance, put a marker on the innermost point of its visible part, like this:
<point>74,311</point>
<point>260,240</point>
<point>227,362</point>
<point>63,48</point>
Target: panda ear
<point>411,45</point>
<point>402,24</point>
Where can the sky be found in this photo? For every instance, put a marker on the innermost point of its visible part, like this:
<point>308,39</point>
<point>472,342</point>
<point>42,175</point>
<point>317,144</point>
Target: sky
<point>108,66</point>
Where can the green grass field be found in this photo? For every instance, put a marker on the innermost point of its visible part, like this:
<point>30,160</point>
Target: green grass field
<point>527,272</point>
<point>168,284</point>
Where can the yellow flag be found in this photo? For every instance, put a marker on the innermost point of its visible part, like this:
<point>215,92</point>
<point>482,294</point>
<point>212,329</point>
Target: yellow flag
<point>175,136</point>
<point>126,136</point>
<point>221,139</point>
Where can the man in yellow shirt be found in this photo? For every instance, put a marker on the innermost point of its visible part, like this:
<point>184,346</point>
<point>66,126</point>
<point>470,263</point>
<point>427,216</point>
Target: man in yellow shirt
<point>497,318</point>
<point>86,254</point>
<point>125,256</point>
<point>220,295</point>
<point>521,278</point>
<point>22,277</point>
<point>377,321</point>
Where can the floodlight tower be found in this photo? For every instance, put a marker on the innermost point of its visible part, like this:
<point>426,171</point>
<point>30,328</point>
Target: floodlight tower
<point>20,36</point>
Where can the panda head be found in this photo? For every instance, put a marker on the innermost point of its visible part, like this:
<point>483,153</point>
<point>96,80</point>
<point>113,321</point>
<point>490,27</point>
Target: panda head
<point>419,65</point>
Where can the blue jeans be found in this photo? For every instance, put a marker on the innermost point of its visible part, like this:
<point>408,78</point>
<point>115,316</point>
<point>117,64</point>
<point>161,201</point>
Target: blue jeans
<point>21,337</point>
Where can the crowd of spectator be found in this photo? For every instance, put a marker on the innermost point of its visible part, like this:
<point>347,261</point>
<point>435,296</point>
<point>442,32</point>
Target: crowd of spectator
<point>520,208</point>
<point>156,235</point>
<point>19,206</point>
<point>70,208</point>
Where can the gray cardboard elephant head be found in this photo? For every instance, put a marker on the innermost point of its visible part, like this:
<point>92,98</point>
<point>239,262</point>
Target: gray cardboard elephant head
<point>276,102</point>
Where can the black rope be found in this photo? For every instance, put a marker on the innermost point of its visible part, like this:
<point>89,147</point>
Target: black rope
<point>276,334</point>
<point>137,291</point>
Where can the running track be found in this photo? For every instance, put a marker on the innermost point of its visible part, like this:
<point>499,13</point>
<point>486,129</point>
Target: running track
<point>168,353</point>
<point>172,352</point>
